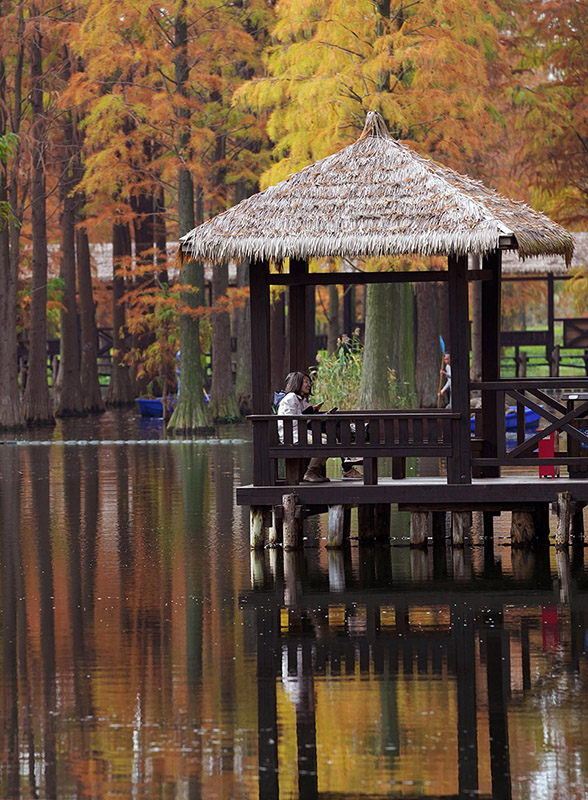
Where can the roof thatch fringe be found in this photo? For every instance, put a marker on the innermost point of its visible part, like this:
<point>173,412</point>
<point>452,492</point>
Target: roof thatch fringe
<point>375,197</point>
<point>544,264</point>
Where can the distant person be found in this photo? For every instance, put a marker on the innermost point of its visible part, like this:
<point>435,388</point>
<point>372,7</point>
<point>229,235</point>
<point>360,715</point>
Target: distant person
<point>445,372</point>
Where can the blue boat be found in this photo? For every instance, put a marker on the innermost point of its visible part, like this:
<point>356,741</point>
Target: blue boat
<point>153,406</point>
<point>532,419</point>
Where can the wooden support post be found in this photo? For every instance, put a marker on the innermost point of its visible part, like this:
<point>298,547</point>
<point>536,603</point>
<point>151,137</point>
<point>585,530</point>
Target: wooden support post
<point>297,319</point>
<point>491,357</point>
<point>439,528</point>
<point>276,530</point>
<point>382,516</point>
<point>347,522</point>
<point>335,526</point>
<point>370,471</point>
<point>461,523</point>
<point>578,523</point>
<point>256,527</point>
<point>488,525</point>
<point>421,524</point>
<point>291,522</point>
<point>458,465</point>
<point>562,534</point>
<point>365,523</point>
<point>260,356</point>
<point>398,468</point>
<point>541,520</point>
<point>522,528</point>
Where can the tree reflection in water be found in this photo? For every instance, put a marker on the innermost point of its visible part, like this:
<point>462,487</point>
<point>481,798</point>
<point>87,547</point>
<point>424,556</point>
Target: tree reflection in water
<point>146,652</point>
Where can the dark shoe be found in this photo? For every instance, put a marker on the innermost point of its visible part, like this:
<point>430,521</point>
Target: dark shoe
<point>352,474</point>
<point>314,476</point>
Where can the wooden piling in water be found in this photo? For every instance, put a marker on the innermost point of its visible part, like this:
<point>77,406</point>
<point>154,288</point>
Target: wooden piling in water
<point>577,531</point>
<point>256,527</point>
<point>382,516</point>
<point>562,533</point>
<point>292,524</point>
<point>276,529</point>
<point>365,523</point>
<point>461,523</point>
<point>522,527</point>
<point>439,524</point>
<point>421,527</point>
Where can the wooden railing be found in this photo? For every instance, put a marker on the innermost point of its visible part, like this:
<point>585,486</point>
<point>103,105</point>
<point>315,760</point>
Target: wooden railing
<point>368,435</point>
<point>557,416</point>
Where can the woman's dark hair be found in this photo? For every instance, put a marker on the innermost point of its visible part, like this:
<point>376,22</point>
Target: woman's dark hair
<point>294,382</point>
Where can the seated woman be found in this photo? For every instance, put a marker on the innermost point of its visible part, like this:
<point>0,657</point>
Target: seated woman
<point>296,401</point>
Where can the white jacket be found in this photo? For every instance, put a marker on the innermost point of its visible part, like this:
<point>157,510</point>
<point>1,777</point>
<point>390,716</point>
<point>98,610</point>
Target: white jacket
<point>291,405</point>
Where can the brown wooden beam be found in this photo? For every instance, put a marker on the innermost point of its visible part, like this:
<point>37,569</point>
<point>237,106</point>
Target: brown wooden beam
<point>295,277</point>
<point>260,359</point>
<point>458,466</point>
<point>491,305</point>
<point>297,317</point>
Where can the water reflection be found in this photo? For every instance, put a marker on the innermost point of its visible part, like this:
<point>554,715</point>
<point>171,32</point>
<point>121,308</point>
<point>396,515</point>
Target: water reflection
<point>423,683</point>
<point>147,653</point>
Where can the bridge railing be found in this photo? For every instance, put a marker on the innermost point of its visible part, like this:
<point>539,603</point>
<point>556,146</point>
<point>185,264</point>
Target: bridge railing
<point>562,407</point>
<point>368,435</point>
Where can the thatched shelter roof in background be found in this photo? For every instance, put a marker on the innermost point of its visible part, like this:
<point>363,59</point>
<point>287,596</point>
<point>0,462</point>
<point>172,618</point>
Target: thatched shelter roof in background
<point>542,265</point>
<point>375,197</point>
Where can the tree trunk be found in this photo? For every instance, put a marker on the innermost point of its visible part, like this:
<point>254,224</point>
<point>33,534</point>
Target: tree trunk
<point>142,205</point>
<point>68,389</point>
<point>121,391</point>
<point>243,387</point>
<point>375,386</point>
<point>334,331</point>
<point>401,342</point>
<point>278,341</point>
<point>428,349</point>
<point>10,407</point>
<point>91,396</point>
<point>191,412</point>
<point>37,404</point>
<point>160,234</point>
<point>476,368</point>
<point>223,405</point>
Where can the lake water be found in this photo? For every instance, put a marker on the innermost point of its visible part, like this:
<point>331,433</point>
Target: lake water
<point>146,653</point>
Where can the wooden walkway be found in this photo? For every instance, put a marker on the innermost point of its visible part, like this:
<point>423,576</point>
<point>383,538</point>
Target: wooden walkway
<point>506,492</point>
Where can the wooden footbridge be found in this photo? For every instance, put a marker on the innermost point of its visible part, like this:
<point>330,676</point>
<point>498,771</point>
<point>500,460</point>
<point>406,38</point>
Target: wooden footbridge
<point>378,198</point>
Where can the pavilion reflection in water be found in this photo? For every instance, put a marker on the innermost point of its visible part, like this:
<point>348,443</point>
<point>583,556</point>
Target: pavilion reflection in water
<point>317,627</point>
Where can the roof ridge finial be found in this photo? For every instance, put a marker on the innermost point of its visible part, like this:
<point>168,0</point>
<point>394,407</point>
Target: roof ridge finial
<point>374,126</point>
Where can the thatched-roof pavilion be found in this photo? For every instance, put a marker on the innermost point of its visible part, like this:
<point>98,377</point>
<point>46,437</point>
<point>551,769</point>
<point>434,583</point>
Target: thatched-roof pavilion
<point>377,197</point>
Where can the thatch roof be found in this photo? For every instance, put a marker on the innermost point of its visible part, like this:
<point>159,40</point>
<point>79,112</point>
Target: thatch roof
<point>544,264</point>
<point>375,197</point>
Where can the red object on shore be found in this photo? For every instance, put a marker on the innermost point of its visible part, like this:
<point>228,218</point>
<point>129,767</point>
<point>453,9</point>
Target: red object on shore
<point>546,449</point>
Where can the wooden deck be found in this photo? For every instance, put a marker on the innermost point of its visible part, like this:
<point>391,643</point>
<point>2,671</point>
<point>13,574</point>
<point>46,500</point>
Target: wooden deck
<point>429,493</point>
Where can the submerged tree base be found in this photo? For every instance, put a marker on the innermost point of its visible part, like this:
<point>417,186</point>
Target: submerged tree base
<point>227,411</point>
<point>190,416</point>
